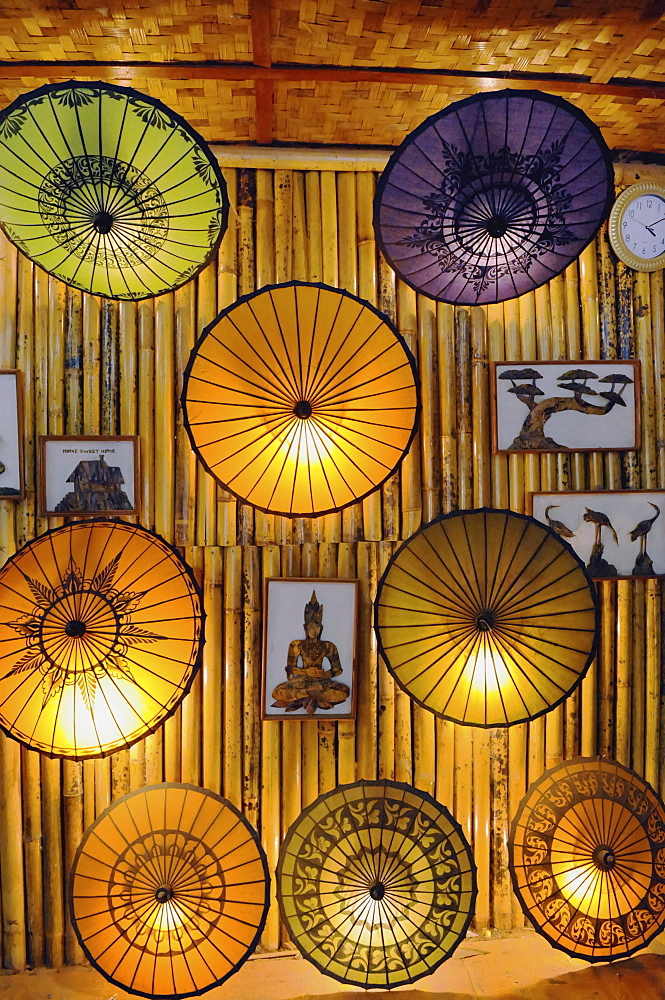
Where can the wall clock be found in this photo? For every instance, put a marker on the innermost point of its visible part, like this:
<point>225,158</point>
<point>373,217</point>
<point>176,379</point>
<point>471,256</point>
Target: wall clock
<point>637,226</point>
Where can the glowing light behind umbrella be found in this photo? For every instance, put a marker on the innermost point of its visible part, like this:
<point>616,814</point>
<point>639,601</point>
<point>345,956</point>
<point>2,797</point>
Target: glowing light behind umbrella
<point>169,891</point>
<point>301,399</point>
<point>486,617</point>
<point>108,190</point>
<point>101,633</point>
<point>376,884</point>
<point>587,858</point>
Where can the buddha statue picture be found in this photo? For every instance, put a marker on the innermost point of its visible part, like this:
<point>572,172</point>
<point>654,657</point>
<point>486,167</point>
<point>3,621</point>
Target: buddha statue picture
<point>315,670</point>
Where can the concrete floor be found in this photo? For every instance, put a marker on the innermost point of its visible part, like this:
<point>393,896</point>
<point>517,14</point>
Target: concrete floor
<point>517,966</point>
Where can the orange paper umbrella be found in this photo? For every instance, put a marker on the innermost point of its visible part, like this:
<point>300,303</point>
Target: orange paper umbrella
<point>376,884</point>
<point>101,629</point>
<point>487,617</point>
<point>169,891</point>
<point>587,856</point>
<point>301,399</point>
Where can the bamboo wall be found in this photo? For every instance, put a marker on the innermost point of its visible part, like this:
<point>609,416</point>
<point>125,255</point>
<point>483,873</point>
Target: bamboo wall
<point>95,366</point>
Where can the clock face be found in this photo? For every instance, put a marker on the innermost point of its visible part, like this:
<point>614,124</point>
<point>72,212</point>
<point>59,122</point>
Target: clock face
<point>643,226</point>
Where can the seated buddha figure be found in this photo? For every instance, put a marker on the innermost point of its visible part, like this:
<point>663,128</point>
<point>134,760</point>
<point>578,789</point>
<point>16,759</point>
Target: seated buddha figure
<point>309,684</point>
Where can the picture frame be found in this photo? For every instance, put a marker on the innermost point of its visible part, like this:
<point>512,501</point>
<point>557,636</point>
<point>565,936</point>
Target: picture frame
<point>12,475</point>
<point>618,534</point>
<point>76,478</point>
<point>521,422</point>
<point>306,676</point>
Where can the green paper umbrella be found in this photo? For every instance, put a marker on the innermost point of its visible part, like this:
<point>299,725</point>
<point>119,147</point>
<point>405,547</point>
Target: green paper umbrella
<point>376,884</point>
<point>108,190</point>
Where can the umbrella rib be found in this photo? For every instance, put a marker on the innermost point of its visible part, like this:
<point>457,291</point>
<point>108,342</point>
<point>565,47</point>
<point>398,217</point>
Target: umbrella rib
<point>323,391</point>
<point>509,646</point>
<point>279,390</point>
<point>315,320</point>
<point>331,425</point>
<point>323,376</point>
<point>293,380</point>
<point>280,387</point>
<point>325,394</point>
<point>283,388</point>
<point>312,376</point>
<point>88,158</point>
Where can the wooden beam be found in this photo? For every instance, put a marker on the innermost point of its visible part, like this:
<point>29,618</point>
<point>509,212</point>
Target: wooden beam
<point>130,72</point>
<point>262,56</point>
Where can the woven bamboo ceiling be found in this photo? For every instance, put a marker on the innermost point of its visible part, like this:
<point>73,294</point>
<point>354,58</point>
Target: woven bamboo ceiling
<point>347,71</point>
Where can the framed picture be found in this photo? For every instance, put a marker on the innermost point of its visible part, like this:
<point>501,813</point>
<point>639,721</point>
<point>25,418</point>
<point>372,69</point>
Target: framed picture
<point>88,474</point>
<point>12,486</point>
<point>618,534</point>
<point>309,649</point>
<point>565,405</point>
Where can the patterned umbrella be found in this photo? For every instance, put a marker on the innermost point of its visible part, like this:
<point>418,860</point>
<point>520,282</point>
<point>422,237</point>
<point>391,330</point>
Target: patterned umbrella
<point>301,399</point>
<point>168,892</point>
<point>101,632</point>
<point>108,190</point>
<point>376,884</point>
<point>587,858</point>
<point>493,196</point>
<point>486,617</point>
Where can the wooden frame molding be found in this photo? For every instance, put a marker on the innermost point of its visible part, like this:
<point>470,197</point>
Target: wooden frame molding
<point>129,72</point>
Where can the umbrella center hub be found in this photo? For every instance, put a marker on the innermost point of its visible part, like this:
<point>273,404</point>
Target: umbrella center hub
<point>497,226</point>
<point>378,891</point>
<point>164,894</point>
<point>485,621</point>
<point>75,628</point>
<point>303,409</point>
<point>103,222</point>
<point>604,857</point>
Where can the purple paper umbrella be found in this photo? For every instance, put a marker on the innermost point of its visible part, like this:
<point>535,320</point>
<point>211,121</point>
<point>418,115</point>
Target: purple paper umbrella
<point>493,196</point>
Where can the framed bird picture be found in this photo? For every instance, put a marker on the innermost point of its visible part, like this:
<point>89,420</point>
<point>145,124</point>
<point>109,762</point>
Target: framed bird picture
<point>620,534</point>
<point>565,405</point>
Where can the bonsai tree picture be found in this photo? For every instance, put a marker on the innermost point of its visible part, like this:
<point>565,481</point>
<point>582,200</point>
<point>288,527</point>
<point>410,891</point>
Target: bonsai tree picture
<point>576,395</point>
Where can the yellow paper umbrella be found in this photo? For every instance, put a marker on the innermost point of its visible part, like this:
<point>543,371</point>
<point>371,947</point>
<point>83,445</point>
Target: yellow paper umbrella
<point>108,190</point>
<point>101,633</point>
<point>376,884</point>
<point>587,858</point>
<point>168,892</point>
<point>301,399</point>
<point>486,617</point>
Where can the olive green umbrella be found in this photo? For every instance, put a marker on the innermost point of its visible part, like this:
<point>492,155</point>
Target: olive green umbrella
<point>108,190</point>
<point>376,883</point>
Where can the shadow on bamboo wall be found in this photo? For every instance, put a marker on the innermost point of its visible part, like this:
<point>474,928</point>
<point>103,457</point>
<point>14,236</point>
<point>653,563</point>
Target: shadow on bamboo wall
<point>95,366</point>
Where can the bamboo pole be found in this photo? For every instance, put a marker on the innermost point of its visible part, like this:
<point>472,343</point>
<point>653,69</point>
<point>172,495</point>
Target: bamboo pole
<point>232,746</point>
<point>271,771</point>
<point>334,273</point>
<point>368,289</point>
<point>652,684</point>
<point>347,249</point>
<point>265,274</point>
<point>366,713</point>
<point>227,288</point>
<point>54,932</point>
<point>191,707</point>
<point>327,730</point>
<point>251,683</point>
<point>346,731</point>
<point>412,503</point>
<point>72,793</point>
<point>247,196</point>
<point>32,851</point>
<point>214,692</point>
<point>194,503</point>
